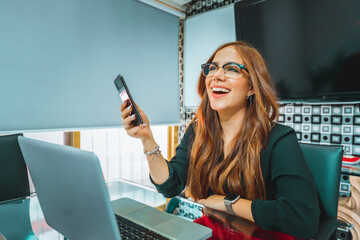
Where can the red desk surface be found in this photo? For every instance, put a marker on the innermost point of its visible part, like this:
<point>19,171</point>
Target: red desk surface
<point>227,227</point>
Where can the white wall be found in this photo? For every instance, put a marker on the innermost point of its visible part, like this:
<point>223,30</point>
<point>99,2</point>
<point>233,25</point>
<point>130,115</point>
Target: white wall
<point>203,33</point>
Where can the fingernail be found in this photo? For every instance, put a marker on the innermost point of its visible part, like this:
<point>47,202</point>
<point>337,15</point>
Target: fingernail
<point>144,124</point>
<point>129,107</point>
<point>132,116</point>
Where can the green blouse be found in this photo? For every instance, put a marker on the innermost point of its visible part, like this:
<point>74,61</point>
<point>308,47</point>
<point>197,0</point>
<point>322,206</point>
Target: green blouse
<point>292,204</point>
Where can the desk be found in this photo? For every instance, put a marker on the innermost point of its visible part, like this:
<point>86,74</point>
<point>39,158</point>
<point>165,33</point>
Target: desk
<point>226,226</point>
<point>23,219</point>
<point>349,202</point>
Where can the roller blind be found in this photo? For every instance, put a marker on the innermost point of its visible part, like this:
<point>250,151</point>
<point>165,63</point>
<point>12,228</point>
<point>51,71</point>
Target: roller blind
<point>58,60</point>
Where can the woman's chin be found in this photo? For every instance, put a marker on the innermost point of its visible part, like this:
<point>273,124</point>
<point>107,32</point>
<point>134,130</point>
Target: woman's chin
<point>217,107</point>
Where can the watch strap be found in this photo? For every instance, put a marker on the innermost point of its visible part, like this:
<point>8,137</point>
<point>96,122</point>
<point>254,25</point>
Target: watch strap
<point>229,201</point>
<point>229,208</point>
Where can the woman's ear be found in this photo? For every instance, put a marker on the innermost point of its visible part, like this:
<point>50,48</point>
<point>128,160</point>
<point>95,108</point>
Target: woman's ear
<point>251,95</point>
<point>251,91</point>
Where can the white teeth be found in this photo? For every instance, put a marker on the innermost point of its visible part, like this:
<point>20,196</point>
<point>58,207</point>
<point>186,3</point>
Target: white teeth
<point>217,89</point>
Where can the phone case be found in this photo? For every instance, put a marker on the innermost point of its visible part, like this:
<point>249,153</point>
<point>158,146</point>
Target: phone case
<point>120,84</point>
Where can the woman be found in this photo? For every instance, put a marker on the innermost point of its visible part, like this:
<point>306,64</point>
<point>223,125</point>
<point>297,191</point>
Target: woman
<point>233,148</point>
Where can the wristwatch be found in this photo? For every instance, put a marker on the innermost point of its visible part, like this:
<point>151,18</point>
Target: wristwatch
<point>229,201</point>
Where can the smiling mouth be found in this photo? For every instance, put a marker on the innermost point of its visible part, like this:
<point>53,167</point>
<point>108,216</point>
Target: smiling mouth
<point>218,90</point>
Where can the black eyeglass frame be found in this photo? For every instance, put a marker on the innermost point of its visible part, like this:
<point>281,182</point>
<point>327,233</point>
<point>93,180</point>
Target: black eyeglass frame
<point>241,66</point>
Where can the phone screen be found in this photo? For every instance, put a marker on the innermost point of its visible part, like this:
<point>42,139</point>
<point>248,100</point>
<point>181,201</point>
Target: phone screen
<point>126,98</point>
<point>123,94</point>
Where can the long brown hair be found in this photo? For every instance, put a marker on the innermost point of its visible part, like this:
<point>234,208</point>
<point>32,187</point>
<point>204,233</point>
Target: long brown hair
<point>239,172</point>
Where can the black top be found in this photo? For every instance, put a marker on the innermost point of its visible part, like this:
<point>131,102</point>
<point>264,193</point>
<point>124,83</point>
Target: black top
<point>292,204</point>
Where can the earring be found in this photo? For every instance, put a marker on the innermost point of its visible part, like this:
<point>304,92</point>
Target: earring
<point>250,97</point>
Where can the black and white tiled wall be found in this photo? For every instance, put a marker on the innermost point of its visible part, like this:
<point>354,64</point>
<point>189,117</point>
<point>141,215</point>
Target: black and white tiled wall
<point>199,6</point>
<point>327,124</point>
<point>189,114</point>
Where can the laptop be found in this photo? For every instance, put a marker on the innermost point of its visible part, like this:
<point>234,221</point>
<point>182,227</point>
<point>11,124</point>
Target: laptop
<point>75,201</point>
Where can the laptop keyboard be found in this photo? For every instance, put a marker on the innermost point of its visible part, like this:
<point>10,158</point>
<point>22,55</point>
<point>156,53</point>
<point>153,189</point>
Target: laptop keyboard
<point>131,230</point>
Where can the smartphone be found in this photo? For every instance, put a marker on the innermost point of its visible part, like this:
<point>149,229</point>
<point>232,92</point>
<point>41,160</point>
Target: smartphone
<point>126,98</point>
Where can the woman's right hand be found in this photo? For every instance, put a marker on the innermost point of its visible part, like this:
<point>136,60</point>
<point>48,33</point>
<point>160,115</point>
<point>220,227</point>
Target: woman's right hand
<point>158,168</point>
<point>143,131</point>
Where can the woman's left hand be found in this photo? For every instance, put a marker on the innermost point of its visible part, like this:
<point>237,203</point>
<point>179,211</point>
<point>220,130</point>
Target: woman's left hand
<point>214,201</point>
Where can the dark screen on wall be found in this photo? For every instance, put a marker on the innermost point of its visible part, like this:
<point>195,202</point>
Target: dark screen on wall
<point>311,47</point>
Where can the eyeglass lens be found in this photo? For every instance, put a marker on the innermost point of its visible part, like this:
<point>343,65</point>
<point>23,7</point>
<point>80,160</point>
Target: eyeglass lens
<point>230,70</point>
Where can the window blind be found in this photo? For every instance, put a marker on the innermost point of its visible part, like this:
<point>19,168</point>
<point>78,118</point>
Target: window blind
<point>58,61</point>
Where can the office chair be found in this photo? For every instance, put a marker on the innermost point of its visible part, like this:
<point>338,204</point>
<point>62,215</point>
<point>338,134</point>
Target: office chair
<point>15,220</point>
<point>324,163</point>
<point>14,182</point>
<point>14,188</point>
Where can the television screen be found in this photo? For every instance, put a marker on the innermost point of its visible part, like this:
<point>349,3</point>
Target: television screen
<point>311,47</point>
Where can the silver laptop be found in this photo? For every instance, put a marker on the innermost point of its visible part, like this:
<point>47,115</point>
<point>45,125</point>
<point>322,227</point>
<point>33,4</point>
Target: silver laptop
<point>74,199</point>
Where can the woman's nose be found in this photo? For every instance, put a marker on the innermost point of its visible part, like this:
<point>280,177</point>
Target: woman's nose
<point>219,74</point>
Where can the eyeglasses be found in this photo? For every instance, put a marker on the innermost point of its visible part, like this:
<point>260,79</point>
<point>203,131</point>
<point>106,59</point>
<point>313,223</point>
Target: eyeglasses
<point>231,70</point>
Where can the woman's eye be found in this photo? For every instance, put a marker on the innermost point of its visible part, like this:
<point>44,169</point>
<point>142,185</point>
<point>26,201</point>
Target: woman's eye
<point>233,69</point>
<point>212,68</point>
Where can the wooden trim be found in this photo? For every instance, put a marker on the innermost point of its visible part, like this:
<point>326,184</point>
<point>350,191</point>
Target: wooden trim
<point>72,139</point>
<point>169,6</point>
<point>161,207</point>
<point>173,141</point>
<point>170,137</point>
<point>76,139</point>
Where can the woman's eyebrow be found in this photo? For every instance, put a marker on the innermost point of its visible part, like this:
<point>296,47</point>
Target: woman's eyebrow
<point>231,63</point>
<point>216,63</point>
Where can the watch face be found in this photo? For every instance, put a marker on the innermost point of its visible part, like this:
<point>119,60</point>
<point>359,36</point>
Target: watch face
<point>232,198</point>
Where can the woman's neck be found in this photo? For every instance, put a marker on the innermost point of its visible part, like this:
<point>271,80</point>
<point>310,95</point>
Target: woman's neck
<point>231,123</point>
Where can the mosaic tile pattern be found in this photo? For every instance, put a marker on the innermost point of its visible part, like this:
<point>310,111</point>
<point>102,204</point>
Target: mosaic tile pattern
<point>199,6</point>
<point>188,209</point>
<point>327,124</point>
<point>181,79</point>
<point>189,114</point>
<point>186,117</point>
